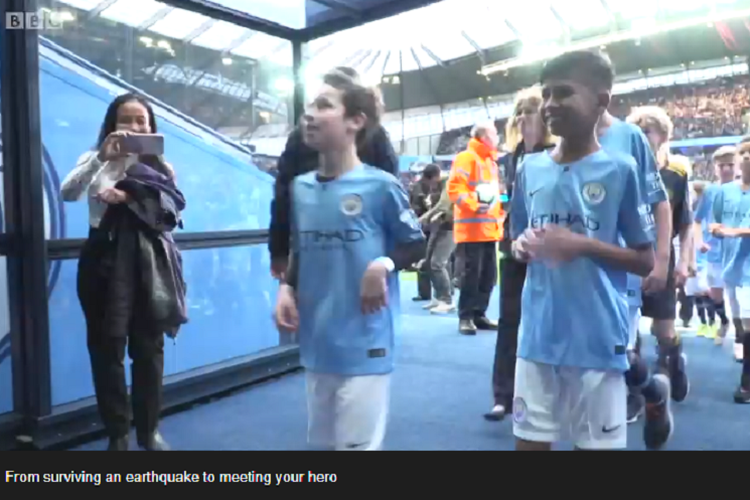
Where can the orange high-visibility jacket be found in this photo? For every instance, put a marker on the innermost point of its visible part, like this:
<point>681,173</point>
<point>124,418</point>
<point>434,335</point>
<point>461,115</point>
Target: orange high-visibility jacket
<point>472,222</point>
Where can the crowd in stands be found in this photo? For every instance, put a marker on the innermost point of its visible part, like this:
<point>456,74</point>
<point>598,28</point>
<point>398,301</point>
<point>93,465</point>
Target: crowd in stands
<point>714,109</point>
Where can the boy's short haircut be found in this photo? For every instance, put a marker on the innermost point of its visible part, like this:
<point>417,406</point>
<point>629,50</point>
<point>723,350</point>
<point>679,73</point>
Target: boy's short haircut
<point>593,69</point>
<point>724,152</point>
<point>431,171</point>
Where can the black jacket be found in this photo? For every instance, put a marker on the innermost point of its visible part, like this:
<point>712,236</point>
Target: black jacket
<point>298,159</point>
<point>142,261</point>
<point>510,180</point>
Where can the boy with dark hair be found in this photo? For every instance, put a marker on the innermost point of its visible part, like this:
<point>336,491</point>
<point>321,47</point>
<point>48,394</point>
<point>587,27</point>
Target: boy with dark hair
<point>619,137</point>
<point>353,230</point>
<point>570,210</point>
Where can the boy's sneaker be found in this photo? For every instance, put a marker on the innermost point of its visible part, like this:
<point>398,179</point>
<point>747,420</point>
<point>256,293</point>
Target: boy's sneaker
<point>432,304</point>
<point>496,414</point>
<point>742,395</point>
<point>680,383</point>
<point>659,425</point>
<point>443,308</point>
<point>636,405</point>
<point>704,331</point>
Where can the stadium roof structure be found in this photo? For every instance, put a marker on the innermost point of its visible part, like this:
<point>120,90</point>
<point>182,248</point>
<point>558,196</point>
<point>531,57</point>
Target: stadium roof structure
<point>428,52</point>
<point>457,50</point>
<point>288,19</point>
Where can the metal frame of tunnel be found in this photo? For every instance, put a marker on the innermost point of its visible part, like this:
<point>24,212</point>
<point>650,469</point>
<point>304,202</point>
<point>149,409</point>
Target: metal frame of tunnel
<point>34,423</point>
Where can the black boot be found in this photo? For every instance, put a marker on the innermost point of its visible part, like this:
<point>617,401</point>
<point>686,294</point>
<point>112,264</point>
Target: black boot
<point>467,327</point>
<point>153,442</point>
<point>485,323</point>
<point>118,444</point>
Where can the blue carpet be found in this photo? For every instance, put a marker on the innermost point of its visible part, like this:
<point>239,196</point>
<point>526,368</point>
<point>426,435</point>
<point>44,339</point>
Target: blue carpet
<point>441,388</point>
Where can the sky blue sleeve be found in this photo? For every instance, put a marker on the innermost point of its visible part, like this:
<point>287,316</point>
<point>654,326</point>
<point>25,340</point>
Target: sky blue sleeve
<point>651,186</point>
<point>717,206</point>
<point>703,210</point>
<point>519,215</point>
<point>630,224</point>
<point>293,224</point>
<point>403,224</point>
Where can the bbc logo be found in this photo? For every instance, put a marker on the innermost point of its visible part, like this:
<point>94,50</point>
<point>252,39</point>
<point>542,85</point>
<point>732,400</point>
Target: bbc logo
<point>42,20</point>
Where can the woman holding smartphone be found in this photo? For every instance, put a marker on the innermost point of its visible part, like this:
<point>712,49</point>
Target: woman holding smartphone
<point>97,175</point>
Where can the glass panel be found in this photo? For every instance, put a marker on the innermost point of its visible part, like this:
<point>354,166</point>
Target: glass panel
<point>583,14</point>
<point>448,45</point>
<point>221,35</point>
<point>210,97</point>
<point>289,13</point>
<point>81,4</point>
<point>6,368</point>
<point>408,63</point>
<point>633,9</point>
<point>230,291</point>
<point>132,12</point>
<point>483,22</point>
<point>178,24</point>
<point>535,21</point>
<point>393,65</point>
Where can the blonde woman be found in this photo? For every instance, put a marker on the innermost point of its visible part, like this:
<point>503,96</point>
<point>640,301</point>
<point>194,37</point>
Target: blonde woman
<point>525,133</point>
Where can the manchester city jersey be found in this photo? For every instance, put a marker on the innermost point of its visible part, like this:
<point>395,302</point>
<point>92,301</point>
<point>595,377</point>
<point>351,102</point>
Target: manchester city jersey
<point>704,215</point>
<point>339,227</point>
<point>575,314</point>
<point>731,208</point>
<point>628,139</point>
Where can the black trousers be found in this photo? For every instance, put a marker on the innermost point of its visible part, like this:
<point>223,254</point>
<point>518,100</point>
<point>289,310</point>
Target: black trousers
<point>686,305</point>
<point>145,347</point>
<point>478,278</point>
<point>512,277</point>
<point>424,284</point>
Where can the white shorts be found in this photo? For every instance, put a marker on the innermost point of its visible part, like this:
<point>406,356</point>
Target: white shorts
<point>739,302</point>
<point>697,285</point>
<point>347,413</point>
<point>713,275</point>
<point>588,407</point>
<point>635,326</point>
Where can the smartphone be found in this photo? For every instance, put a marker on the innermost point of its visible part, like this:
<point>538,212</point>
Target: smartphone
<point>142,144</point>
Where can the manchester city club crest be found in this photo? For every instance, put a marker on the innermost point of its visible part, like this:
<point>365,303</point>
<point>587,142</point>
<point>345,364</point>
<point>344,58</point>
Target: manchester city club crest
<point>594,193</point>
<point>519,410</point>
<point>351,205</point>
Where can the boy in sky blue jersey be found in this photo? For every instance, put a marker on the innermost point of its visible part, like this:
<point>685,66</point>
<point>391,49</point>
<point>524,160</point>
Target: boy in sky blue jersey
<point>710,247</point>
<point>569,211</point>
<point>696,288</point>
<point>731,215</point>
<point>620,137</point>
<point>352,228</point>
<point>661,305</point>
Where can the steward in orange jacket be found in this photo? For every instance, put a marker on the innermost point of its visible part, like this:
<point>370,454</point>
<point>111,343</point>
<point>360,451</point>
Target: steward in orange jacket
<point>474,187</point>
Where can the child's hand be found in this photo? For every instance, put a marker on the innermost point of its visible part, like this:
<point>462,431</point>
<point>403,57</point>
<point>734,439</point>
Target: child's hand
<point>374,290</point>
<point>555,243</point>
<point>286,315</point>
